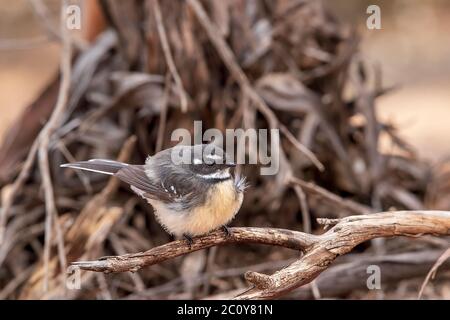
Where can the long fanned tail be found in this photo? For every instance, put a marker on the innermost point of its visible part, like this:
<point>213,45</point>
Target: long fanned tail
<point>134,175</point>
<point>109,167</point>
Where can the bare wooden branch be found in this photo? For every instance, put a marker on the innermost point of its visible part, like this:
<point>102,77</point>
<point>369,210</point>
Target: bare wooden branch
<point>320,251</point>
<point>351,275</point>
<point>133,262</point>
<point>341,239</point>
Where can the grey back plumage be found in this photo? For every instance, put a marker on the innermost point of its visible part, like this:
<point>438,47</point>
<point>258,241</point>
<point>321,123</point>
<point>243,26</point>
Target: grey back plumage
<point>184,189</point>
<point>176,185</point>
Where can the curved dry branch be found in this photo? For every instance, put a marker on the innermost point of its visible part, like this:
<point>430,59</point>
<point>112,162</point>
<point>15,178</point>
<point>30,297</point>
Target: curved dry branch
<point>320,251</point>
<point>341,239</point>
<point>133,262</point>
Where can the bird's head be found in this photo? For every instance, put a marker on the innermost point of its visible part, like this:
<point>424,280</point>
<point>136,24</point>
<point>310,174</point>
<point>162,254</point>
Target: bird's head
<point>210,162</point>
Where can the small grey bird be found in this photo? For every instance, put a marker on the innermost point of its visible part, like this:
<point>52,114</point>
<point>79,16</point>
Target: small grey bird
<point>190,197</point>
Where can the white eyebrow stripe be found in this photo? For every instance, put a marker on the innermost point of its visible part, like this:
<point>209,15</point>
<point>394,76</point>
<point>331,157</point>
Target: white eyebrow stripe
<point>223,174</point>
<point>213,156</point>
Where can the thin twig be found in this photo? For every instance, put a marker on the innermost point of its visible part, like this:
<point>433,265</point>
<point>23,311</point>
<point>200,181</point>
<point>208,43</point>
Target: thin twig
<point>70,158</point>
<point>16,186</point>
<point>306,220</point>
<point>42,12</point>
<point>163,115</point>
<point>168,55</point>
<point>44,141</point>
<point>347,204</point>
<point>433,270</point>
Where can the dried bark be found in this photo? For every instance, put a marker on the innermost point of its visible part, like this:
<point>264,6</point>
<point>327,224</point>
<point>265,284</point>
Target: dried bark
<point>319,251</point>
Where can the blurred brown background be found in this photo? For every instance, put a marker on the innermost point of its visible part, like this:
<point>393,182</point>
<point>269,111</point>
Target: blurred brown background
<point>413,49</point>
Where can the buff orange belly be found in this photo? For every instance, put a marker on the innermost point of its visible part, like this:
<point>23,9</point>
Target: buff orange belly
<point>222,205</point>
<point>224,202</point>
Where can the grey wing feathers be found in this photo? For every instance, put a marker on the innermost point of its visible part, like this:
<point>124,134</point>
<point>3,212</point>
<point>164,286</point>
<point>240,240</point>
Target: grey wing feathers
<point>136,177</point>
<point>109,167</point>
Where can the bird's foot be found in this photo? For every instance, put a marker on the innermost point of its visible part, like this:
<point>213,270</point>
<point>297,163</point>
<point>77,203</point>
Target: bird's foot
<point>188,239</point>
<point>226,230</point>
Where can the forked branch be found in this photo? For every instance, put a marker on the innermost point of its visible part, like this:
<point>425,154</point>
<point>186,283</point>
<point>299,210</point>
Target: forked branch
<point>319,251</point>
